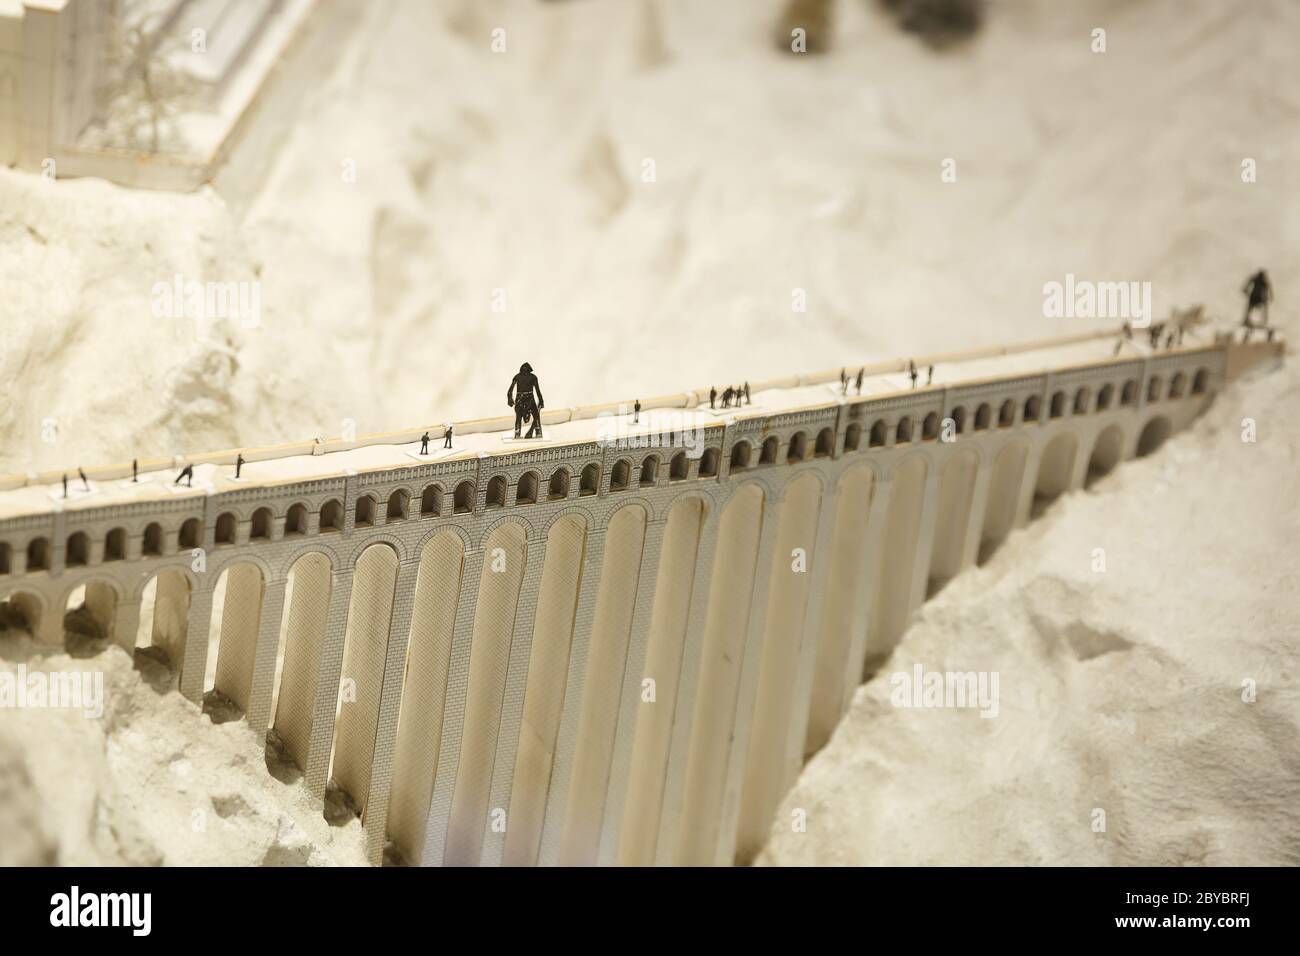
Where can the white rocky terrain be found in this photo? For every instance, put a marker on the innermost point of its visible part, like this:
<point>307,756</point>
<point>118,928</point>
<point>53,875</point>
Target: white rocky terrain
<point>525,175</point>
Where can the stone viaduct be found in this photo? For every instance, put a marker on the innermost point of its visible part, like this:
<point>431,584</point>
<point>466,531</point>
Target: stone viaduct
<point>594,649</point>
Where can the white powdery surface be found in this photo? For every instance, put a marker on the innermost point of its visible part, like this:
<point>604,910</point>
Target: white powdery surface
<point>1120,690</point>
<point>149,782</point>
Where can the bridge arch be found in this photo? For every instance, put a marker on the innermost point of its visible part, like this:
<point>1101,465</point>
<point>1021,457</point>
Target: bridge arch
<point>879,434</point>
<point>852,436</point>
<point>77,551</point>
<point>1154,433</point>
<point>797,448</point>
<point>22,609</point>
<point>643,799</point>
<point>463,497</point>
<point>115,545</point>
<point>620,477</point>
<point>424,689</point>
<point>525,488</point>
<point>497,487</point>
<point>296,519</point>
<point>431,500</point>
<point>589,481</point>
<point>679,467</point>
<point>232,648</point>
<point>721,654</point>
<point>983,414</point>
<point>894,591</point>
<point>498,598</point>
<point>151,542</point>
<point>740,455</point>
<point>956,494</point>
<point>1055,470</point>
<point>525,526</point>
<point>767,764</point>
<point>399,505</point>
<point>365,650</point>
<point>548,672</point>
<point>1107,452</point>
<point>649,471</point>
<point>1003,498</point>
<point>1105,396</point>
<point>842,616</point>
<point>558,487</point>
<point>770,449</point>
<point>307,601</point>
<point>602,687</point>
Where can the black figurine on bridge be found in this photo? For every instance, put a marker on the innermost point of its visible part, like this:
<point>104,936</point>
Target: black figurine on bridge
<point>527,406</point>
<point>1259,293</point>
<point>424,444</point>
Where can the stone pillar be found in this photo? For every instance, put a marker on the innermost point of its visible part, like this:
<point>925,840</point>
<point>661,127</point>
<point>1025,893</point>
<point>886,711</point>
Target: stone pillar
<point>567,739</point>
<point>268,644</point>
<point>684,709</point>
<point>629,700</point>
<point>444,784</point>
<point>375,818</point>
<point>126,624</point>
<point>512,704</point>
<point>198,622</point>
<point>747,691</point>
<point>925,539</point>
<point>978,506</point>
<point>812,630</point>
<point>325,705</point>
<point>867,590</point>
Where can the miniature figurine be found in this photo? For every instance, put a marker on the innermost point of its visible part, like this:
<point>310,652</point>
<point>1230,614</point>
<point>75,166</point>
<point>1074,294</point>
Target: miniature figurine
<point>1259,293</point>
<point>84,483</point>
<point>911,371</point>
<point>929,376</point>
<point>446,437</point>
<point>239,463</point>
<point>713,396</point>
<point>520,396</point>
<point>748,400</point>
<point>424,444</point>
<point>188,474</point>
<point>636,412</point>
<point>135,469</point>
<point>65,484</point>
<point>860,371</point>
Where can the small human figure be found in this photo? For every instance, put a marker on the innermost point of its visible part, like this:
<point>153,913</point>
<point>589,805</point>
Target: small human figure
<point>859,382</point>
<point>748,400</point>
<point>1259,293</point>
<point>424,444</point>
<point>726,397</point>
<point>844,381</point>
<point>911,370</point>
<point>84,483</point>
<point>65,484</point>
<point>188,474</point>
<point>1169,341</point>
<point>1153,334</point>
<point>636,412</point>
<point>713,396</point>
<point>526,405</point>
<point>929,376</point>
<point>135,469</point>
<point>446,438</point>
<point>239,463</point>
<point>1128,330</point>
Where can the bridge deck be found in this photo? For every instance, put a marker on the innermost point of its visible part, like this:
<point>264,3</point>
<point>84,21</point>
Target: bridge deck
<point>36,494</point>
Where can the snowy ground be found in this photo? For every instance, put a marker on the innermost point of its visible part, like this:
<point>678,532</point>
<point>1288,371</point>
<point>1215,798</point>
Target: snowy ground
<point>1122,690</point>
<point>523,172</point>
